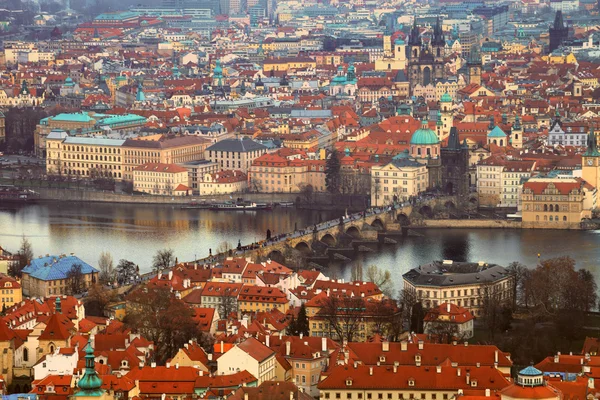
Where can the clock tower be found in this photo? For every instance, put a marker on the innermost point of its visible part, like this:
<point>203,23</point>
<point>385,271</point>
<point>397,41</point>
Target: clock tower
<point>591,161</point>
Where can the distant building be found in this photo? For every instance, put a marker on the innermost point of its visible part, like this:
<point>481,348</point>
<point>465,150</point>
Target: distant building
<point>558,31</point>
<point>223,182</point>
<point>452,315</point>
<point>161,179</point>
<point>11,291</point>
<point>462,283</point>
<point>50,275</point>
<point>235,153</point>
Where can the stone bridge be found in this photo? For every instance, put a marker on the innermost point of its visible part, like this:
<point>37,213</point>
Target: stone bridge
<point>333,234</point>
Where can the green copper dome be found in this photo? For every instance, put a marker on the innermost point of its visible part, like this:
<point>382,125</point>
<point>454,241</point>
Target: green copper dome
<point>446,98</point>
<point>424,136</point>
<point>90,384</point>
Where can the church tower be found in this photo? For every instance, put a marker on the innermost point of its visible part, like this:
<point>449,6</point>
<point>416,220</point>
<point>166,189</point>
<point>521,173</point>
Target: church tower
<point>590,161</point>
<point>516,134</point>
<point>218,75</point>
<point>474,65</point>
<point>558,32</point>
<point>414,50</point>
<point>387,43</point>
<point>438,44</point>
<point>446,115</point>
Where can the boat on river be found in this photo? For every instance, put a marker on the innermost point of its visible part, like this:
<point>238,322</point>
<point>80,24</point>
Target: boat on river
<point>245,206</point>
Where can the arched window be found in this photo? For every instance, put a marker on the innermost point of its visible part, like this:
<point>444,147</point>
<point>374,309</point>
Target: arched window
<point>537,217</point>
<point>556,207</point>
<point>516,136</point>
<point>545,207</point>
<point>501,142</point>
<point>550,208</point>
<point>25,354</point>
<point>439,52</point>
<point>545,218</point>
<point>551,218</point>
<point>415,53</point>
<point>564,218</point>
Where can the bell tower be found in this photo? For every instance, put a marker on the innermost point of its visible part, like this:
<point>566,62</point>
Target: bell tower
<point>590,161</point>
<point>516,134</point>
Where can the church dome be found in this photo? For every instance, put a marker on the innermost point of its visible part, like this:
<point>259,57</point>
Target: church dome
<point>90,384</point>
<point>424,136</point>
<point>446,98</point>
<point>399,42</point>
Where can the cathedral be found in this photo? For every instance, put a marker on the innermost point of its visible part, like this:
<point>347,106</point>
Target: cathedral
<point>426,60</point>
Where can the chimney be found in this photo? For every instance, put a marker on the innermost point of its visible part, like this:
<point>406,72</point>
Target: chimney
<point>466,344</point>
<point>385,346</point>
<point>395,368</point>
<point>176,365</point>
<point>168,365</point>
<point>291,395</point>
<point>222,347</point>
<point>268,340</point>
<point>496,356</point>
<point>448,308</point>
<point>153,365</point>
<point>403,345</point>
<point>371,371</point>
<point>324,345</point>
<point>288,348</point>
<point>420,345</point>
<point>487,392</point>
<point>591,383</point>
<point>170,275</point>
<point>245,395</point>
<point>301,335</point>
<point>210,356</point>
<point>468,378</point>
<point>200,373</point>
<point>556,358</point>
<point>458,372</point>
<point>438,369</point>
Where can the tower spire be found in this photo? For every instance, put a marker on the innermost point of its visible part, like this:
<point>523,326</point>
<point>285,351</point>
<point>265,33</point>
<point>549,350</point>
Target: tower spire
<point>90,384</point>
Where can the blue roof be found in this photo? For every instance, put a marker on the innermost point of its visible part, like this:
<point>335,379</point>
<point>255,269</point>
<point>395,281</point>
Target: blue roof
<point>72,117</point>
<point>530,371</point>
<point>20,396</point>
<point>55,267</point>
<point>497,132</point>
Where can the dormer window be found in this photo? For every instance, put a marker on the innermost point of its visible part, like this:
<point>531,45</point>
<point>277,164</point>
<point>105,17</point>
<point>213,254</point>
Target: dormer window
<point>474,383</point>
<point>348,382</point>
<point>411,382</point>
<point>382,358</point>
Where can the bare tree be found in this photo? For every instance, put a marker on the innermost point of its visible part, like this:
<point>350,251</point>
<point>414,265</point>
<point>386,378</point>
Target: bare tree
<point>444,332</point>
<point>25,255</point>
<point>376,189</point>
<point>381,278</point>
<point>106,265</point>
<point>344,316</point>
<point>75,279</point>
<point>226,306</point>
<point>163,259</point>
<point>307,191</point>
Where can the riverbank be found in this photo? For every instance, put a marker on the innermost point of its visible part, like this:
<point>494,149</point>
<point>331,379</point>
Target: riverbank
<point>319,201</point>
<point>467,223</point>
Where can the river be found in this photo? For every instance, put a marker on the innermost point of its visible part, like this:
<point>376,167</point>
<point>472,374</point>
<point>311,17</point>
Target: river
<point>135,232</point>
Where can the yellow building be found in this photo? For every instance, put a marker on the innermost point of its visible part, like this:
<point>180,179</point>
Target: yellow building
<point>395,61</point>
<point>161,179</point>
<point>286,64</point>
<point>554,203</point>
<point>257,299</point>
<point>286,173</point>
<point>2,127</point>
<point>11,292</point>
<point>83,156</point>
<point>401,178</point>
<point>61,122</point>
<point>160,149</point>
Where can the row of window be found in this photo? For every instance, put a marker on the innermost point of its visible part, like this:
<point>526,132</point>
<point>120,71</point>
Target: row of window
<point>371,395</point>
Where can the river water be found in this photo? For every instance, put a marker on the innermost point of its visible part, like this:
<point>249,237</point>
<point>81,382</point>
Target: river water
<point>135,232</point>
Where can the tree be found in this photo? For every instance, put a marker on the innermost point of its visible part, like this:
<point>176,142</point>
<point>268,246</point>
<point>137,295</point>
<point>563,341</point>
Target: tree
<point>495,313</point>
<point>227,305</point>
<point>416,318</point>
<point>519,273</point>
<point>444,332</point>
<point>163,259</point>
<point>97,300</point>
<point>160,317</point>
<point>376,189</point>
<point>344,316</point>
<point>127,272</point>
<point>302,322</point>
<point>332,173</point>
<point>381,278</point>
<point>106,266</point>
<point>75,279</point>
<point>25,255</point>
<point>307,192</point>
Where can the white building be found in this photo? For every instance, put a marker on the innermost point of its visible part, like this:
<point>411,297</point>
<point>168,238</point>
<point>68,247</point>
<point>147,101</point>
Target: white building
<point>250,355</point>
<point>61,362</point>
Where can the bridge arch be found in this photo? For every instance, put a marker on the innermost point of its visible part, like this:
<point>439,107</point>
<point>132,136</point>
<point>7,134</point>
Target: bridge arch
<point>403,219</point>
<point>303,247</point>
<point>354,232</point>
<point>378,224</point>
<point>426,211</point>
<point>328,239</point>
<point>277,256</point>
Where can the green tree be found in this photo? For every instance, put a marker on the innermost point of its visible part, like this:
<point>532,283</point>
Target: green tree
<point>126,272</point>
<point>302,322</point>
<point>333,178</point>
